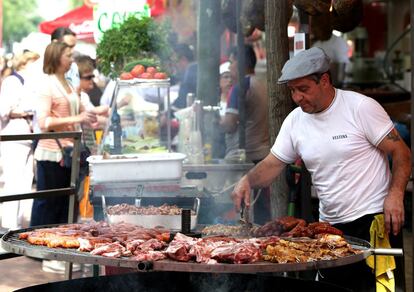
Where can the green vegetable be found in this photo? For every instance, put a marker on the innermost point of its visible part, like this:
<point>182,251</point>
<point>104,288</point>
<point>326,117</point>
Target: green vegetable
<point>146,62</point>
<point>135,39</point>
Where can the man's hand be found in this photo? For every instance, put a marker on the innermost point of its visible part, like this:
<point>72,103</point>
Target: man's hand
<point>258,177</point>
<point>241,192</point>
<point>88,117</point>
<point>393,213</point>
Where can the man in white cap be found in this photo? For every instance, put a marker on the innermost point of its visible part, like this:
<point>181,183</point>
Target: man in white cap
<point>343,138</point>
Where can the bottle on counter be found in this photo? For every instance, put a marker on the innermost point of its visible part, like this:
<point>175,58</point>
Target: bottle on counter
<point>196,153</point>
<point>115,134</point>
<point>189,98</point>
<point>207,152</point>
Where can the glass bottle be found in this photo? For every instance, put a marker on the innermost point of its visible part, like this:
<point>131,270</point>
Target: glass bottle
<point>115,134</point>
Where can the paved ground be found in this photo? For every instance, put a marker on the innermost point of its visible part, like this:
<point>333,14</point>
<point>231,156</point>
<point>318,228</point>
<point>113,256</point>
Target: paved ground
<point>21,272</point>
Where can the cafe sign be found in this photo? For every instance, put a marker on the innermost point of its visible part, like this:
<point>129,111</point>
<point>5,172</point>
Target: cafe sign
<point>109,14</point>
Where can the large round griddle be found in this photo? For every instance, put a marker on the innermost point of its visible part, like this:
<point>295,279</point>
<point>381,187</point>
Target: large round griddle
<point>11,243</point>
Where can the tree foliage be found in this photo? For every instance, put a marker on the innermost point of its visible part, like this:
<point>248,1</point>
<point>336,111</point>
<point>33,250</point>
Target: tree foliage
<point>134,39</point>
<point>19,19</point>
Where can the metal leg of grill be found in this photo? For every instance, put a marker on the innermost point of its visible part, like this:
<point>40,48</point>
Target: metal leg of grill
<point>95,271</point>
<point>68,271</point>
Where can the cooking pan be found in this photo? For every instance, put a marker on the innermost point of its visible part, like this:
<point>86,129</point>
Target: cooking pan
<point>11,243</point>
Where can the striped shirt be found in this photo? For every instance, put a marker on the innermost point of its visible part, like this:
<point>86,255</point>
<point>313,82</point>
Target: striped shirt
<point>54,102</point>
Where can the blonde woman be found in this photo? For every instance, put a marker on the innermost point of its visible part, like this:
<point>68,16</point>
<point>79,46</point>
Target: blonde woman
<point>16,112</point>
<point>59,109</point>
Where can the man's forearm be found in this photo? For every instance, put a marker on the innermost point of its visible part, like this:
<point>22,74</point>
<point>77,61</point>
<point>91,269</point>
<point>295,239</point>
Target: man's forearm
<point>401,169</point>
<point>265,172</point>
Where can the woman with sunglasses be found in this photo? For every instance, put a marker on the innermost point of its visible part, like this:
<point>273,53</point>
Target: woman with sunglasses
<point>86,73</point>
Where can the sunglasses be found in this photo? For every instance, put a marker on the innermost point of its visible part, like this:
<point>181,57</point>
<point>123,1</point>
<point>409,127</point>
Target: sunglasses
<point>88,77</point>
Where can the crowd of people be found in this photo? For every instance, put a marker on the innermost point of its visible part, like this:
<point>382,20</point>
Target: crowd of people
<point>57,91</point>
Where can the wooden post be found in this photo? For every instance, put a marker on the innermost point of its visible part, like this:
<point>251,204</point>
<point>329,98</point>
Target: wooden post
<point>208,52</point>
<point>208,58</point>
<point>241,68</point>
<point>280,103</point>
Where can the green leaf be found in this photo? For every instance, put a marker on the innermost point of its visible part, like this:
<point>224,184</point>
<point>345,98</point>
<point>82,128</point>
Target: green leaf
<point>134,39</point>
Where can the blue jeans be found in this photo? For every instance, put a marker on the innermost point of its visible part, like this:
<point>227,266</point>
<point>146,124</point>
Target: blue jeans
<point>52,210</point>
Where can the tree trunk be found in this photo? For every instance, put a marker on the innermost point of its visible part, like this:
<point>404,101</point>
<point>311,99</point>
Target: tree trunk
<point>208,58</point>
<point>208,52</point>
<point>280,103</point>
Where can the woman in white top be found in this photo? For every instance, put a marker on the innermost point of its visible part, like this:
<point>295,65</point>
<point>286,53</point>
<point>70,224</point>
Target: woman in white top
<point>58,109</point>
<point>16,111</point>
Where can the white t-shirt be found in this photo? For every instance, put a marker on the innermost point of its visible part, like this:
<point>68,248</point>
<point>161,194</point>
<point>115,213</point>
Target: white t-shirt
<point>350,174</point>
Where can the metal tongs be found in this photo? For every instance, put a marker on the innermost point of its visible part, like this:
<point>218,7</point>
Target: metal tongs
<point>244,217</point>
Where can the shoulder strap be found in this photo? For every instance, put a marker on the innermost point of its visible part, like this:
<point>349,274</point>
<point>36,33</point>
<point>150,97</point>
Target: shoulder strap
<point>18,76</point>
<point>60,146</point>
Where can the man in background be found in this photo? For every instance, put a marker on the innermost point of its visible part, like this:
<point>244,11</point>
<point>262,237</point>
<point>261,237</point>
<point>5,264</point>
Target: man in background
<point>67,36</point>
<point>257,127</point>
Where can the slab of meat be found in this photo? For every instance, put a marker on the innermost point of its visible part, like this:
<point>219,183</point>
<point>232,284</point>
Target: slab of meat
<point>152,244</point>
<point>289,222</point>
<point>152,255</point>
<point>202,249</point>
<point>237,253</point>
<point>178,251</point>
<point>246,253</point>
<point>179,247</point>
<point>323,228</point>
<point>132,244</point>
<point>290,226</point>
<point>111,250</point>
<point>88,243</point>
<point>272,228</point>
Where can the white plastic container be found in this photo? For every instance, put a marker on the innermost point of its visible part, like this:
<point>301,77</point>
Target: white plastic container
<point>136,167</point>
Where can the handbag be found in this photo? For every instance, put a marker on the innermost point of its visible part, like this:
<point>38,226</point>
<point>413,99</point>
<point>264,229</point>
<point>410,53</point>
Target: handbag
<point>67,153</point>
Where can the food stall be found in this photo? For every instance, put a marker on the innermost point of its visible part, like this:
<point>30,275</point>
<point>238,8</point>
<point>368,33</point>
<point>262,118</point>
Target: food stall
<point>191,185</point>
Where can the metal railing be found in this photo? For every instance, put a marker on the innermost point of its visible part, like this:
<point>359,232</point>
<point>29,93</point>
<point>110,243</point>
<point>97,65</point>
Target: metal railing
<point>69,191</point>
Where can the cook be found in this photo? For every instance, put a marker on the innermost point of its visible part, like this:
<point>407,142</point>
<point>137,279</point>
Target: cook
<point>344,138</point>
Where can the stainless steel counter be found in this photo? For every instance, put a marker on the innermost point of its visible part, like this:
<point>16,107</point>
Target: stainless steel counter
<point>214,177</point>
